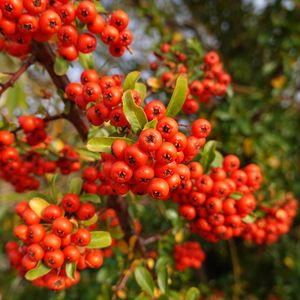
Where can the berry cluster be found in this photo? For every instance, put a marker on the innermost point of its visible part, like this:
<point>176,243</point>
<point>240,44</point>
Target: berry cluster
<point>55,236</point>
<point>101,97</point>
<point>157,163</point>
<point>19,167</point>
<point>211,204</point>
<point>188,254</point>
<point>74,26</point>
<point>209,78</point>
<point>276,222</point>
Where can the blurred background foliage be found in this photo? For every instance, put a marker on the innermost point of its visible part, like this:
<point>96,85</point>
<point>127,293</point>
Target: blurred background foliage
<point>259,42</point>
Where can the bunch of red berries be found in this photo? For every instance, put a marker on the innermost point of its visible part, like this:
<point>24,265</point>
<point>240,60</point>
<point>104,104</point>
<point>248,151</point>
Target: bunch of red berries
<point>55,237</point>
<point>34,129</point>
<point>188,255</point>
<point>19,167</point>
<point>157,163</point>
<point>217,203</point>
<point>210,82</point>
<point>276,222</point>
<point>24,21</point>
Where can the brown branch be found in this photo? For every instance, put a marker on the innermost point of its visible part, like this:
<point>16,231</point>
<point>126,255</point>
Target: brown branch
<point>45,56</point>
<point>15,76</point>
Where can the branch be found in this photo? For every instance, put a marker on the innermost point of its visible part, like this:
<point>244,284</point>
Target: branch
<point>45,56</point>
<point>15,76</point>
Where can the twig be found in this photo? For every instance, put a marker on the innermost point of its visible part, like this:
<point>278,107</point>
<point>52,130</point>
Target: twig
<point>15,76</point>
<point>236,270</point>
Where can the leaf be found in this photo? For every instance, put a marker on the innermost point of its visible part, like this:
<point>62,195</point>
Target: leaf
<point>71,269</point>
<point>208,155</point>
<point>100,8</point>
<point>99,239</point>
<point>90,221</point>
<point>192,294</point>
<point>230,92</point>
<point>134,114</point>
<point>38,205</point>
<point>218,160</point>
<point>16,98</point>
<point>61,66</point>
<point>162,262</point>
<point>171,214</point>
<point>86,60</point>
<point>90,198</point>
<point>75,185</point>
<point>151,124</point>
<point>144,280</point>
<point>130,80</point>
<point>141,88</point>
<point>87,155</point>
<point>236,195</point>
<point>35,194</point>
<point>143,297</point>
<point>162,279</point>
<point>249,219</point>
<point>103,144</point>
<point>40,270</point>
<point>178,97</point>
<point>53,186</point>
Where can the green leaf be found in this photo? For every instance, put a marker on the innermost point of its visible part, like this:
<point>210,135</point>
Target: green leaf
<point>61,66</point>
<point>208,155</point>
<point>34,194</point>
<point>40,270</point>
<point>88,155</point>
<point>171,214</point>
<point>178,97</point>
<point>236,195</point>
<point>90,198</point>
<point>130,80</point>
<point>86,60</point>
<point>218,161</point>
<point>144,280</point>
<point>134,114</point>
<point>100,8</point>
<point>162,280</point>
<point>230,92</point>
<point>100,239</point>
<point>90,221</point>
<point>192,294</point>
<point>151,124</point>
<point>103,143</point>
<point>249,219</point>
<point>141,88</point>
<point>53,186</point>
<point>75,185</point>
<point>162,262</point>
<point>16,98</point>
<point>71,269</point>
<point>38,205</point>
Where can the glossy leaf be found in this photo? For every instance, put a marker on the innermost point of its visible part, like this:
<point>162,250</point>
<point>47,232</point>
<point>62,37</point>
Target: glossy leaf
<point>130,80</point>
<point>40,270</point>
<point>178,97</point>
<point>38,205</point>
<point>144,280</point>
<point>90,198</point>
<point>71,269</point>
<point>100,239</point>
<point>134,114</point>
<point>192,294</point>
<point>151,124</point>
<point>61,66</point>
<point>103,144</point>
<point>75,185</point>
<point>141,88</point>
<point>162,279</point>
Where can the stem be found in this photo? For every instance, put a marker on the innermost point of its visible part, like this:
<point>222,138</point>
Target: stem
<point>15,76</point>
<point>45,56</point>
<point>236,270</point>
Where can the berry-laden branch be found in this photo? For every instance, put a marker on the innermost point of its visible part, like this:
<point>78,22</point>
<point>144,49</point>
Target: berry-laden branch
<point>15,76</point>
<point>45,56</point>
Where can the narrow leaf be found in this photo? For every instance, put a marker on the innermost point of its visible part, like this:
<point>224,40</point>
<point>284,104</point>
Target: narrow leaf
<point>236,195</point>
<point>38,271</point>
<point>100,239</point>
<point>144,280</point>
<point>71,269</point>
<point>162,280</point>
<point>90,198</point>
<point>192,294</point>
<point>151,124</point>
<point>141,88</point>
<point>178,97</point>
<point>53,186</point>
<point>61,66</point>
<point>75,185</point>
<point>208,155</point>
<point>90,221</point>
<point>103,144</point>
<point>130,80</point>
<point>87,60</point>
<point>134,114</point>
<point>38,205</point>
